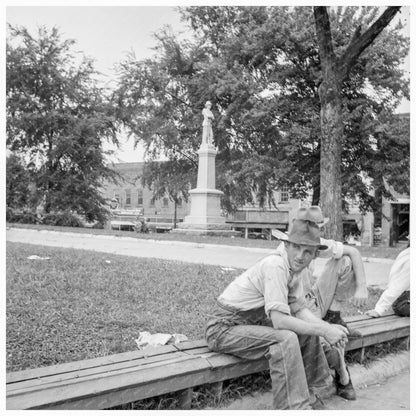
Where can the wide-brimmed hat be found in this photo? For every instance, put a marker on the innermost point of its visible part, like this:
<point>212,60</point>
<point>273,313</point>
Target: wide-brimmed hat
<point>305,233</point>
<point>313,214</point>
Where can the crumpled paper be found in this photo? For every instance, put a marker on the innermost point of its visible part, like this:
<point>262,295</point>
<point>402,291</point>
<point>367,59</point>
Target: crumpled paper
<point>35,257</point>
<point>146,339</point>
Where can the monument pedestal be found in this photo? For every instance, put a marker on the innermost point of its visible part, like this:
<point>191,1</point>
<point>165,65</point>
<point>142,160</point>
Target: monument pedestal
<point>205,213</point>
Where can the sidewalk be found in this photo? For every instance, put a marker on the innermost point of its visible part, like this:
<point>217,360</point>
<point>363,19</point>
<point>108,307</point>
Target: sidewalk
<point>377,270</point>
<point>383,385</point>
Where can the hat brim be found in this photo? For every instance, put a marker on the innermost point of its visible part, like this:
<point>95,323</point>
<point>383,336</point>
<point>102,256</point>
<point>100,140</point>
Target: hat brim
<point>305,243</point>
<point>321,224</point>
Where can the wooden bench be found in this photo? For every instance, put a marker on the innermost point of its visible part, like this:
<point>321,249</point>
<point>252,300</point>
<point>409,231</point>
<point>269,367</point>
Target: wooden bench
<point>104,382</point>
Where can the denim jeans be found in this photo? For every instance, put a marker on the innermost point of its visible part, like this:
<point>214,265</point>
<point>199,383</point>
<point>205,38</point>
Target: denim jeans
<point>297,362</point>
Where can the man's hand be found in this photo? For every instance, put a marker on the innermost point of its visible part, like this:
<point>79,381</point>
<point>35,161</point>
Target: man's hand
<point>360,297</point>
<point>336,334</point>
<point>372,313</point>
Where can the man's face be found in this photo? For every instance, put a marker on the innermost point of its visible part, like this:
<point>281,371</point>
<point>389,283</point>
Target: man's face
<point>300,256</point>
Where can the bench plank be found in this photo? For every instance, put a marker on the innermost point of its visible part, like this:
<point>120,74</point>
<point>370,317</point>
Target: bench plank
<point>39,396</point>
<point>35,373</point>
<point>194,371</point>
<point>95,371</point>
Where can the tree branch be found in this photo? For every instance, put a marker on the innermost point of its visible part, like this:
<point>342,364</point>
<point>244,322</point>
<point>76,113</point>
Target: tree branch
<point>360,43</point>
<point>190,158</point>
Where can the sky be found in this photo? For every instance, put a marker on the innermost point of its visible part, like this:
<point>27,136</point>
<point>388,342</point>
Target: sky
<point>107,33</point>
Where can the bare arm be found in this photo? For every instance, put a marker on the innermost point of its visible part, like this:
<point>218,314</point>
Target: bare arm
<point>361,293</point>
<point>307,324</point>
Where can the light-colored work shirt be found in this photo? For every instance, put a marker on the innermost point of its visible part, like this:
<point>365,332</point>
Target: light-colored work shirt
<point>399,281</point>
<point>269,283</point>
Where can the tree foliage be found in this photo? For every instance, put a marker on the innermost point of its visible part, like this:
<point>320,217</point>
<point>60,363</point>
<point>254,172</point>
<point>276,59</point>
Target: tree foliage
<point>57,118</point>
<point>170,178</point>
<point>260,66</point>
<point>17,183</point>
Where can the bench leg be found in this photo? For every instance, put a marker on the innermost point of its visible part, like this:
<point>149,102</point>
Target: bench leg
<point>362,355</point>
<point>185,399</point>
<point>216,389</point>
<point>405,343</point>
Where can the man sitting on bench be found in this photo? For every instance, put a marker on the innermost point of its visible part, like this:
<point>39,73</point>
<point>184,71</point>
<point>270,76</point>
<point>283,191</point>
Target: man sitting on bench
<point>263,313</point>
<point>396,297</point>
<point>342,278</point>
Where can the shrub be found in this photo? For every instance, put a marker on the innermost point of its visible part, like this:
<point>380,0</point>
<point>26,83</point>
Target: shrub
<point>64,219</point>
<point>9,214</point>
<point>25,217</point>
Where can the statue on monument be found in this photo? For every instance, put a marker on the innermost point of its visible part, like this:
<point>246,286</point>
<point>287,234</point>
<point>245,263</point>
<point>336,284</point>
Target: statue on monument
<point>207,135</point>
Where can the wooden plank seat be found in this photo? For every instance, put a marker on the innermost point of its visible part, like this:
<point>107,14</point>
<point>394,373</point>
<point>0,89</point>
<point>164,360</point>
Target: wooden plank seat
<point>376,330</point>
<point>109,381</point>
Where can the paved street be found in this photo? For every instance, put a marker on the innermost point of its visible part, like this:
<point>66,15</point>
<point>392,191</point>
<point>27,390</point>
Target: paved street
<point>227,256</point>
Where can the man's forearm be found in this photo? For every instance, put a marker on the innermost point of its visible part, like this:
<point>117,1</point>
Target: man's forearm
<point>307,316</point>
<point>302,324</point>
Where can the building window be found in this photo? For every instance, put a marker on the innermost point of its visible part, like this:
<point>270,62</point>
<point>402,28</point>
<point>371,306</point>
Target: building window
<point>128,197</point>
<point>117,196</point>
<point>179,202</point>
<point>165,202</point>
<point>139,197</point>
<point>152,202</point>
<point>284,194</point>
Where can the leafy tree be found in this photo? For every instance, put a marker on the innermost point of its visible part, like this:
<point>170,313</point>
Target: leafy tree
<point>17,183</point>
<point>171,178</point>
<point>261,68</point>
<point>57,117</point>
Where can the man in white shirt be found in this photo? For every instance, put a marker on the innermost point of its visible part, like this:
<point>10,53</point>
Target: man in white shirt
<point>396,298</point>
<point>263,313</point>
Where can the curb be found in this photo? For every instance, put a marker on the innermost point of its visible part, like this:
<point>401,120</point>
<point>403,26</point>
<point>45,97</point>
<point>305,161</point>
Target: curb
<point>361,376</point>
<point>182,243</point>
<point>379,370</point>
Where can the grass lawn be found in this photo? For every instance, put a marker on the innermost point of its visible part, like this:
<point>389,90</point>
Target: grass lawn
<point>382,252</point>
<point>81,304</point>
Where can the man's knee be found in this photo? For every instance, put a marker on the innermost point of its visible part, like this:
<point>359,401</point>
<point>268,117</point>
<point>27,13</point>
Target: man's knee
<point>345,265</point>
<point>401,305</point>
<point>287,342</point>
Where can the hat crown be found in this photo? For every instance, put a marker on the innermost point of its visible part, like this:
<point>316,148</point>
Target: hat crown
<point>312,213</point>
<point>305,233</point>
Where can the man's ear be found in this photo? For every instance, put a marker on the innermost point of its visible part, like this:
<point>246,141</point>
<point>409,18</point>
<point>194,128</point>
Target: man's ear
<point>316,253</point>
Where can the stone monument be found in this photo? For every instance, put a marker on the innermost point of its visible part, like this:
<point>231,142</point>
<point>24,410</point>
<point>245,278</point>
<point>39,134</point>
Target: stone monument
<point>205,213</point>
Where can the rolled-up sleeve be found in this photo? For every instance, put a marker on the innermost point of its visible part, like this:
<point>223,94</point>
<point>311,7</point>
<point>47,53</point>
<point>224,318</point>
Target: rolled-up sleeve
<point>275,285</point>
<point>335,249</point>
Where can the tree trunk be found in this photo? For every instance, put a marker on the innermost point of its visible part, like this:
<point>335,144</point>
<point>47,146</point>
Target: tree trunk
<point>331,148</point>
<point>316,192</point>
<point>175,213</point>
<point>331,128</point>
